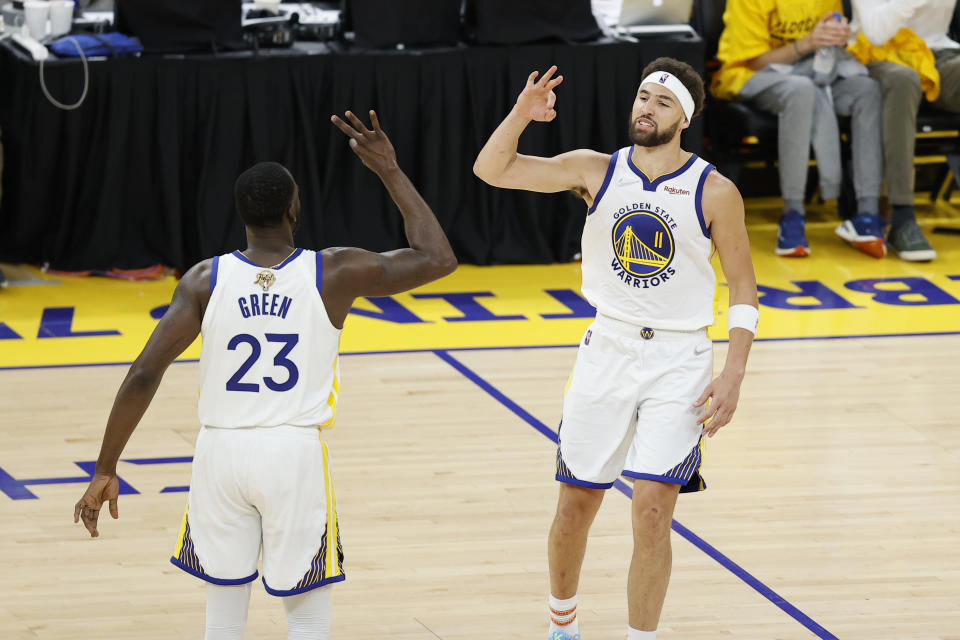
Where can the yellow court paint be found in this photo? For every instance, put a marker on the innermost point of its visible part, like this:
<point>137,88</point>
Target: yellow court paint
<point>835,292</point>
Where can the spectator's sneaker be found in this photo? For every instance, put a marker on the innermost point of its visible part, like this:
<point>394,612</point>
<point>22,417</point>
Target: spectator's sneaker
<point>865,232</point>
<point>791,237</point>
<point>560,635</point>
<point>908,241</point>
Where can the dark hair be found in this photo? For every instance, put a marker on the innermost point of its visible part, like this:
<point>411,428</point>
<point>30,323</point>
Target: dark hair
<point>686,74</point>
<point>264,194</point>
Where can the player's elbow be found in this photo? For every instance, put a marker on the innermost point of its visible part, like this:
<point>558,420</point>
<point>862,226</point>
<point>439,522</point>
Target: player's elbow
<point>143,376</point>
<point>483,172</point>
<point>492,170</point>
<point>450,265</point>
<point>445,264</point>
<point>140,381</point>
<point>437,264</point>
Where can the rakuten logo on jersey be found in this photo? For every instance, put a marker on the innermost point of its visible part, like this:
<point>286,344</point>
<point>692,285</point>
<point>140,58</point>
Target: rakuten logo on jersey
<point>675,191</point>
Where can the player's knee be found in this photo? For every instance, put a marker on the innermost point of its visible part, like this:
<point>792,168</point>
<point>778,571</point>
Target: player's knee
<point>226,609</point>
<point>309,615</point>
<point>650,518</point>
<point>576,511</point>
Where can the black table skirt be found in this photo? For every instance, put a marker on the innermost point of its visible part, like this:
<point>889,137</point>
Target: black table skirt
<point>143,172</point>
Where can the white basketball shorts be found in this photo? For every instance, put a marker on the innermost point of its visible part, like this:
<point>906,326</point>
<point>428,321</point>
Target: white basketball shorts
<point>261,487</point>
<point>628,408</point>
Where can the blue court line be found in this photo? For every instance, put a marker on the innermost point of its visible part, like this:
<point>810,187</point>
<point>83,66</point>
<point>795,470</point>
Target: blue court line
<point>621,486</point>
<point>507,348</point>
<point>522,413</point>
<point>81,365</point>
<point>152,461</point>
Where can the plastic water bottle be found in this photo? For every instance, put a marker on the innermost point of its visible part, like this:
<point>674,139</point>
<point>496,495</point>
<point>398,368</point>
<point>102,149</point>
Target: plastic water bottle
<point>825,60</point>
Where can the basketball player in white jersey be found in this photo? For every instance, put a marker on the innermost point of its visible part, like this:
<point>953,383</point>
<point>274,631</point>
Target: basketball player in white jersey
<point>636,402</point>
<point>271,318</point>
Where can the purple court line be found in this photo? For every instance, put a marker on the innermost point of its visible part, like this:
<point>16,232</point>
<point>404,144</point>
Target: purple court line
<point>507,348</point>
<point>621,486</point>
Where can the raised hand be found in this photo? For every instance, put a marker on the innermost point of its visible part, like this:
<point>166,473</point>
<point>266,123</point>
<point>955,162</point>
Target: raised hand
<point>102,488</point>
<point>373,147</point>
<point>537,99</point>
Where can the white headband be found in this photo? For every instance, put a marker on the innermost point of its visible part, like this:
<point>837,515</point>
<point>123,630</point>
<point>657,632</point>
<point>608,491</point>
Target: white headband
<point>671,82</point>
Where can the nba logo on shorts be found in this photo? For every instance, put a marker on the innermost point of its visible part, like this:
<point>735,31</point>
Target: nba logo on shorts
<point>663,78</point>
<point>586,339</point>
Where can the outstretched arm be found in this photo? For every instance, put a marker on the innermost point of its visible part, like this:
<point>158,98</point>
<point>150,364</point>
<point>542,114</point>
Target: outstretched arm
<point>175,332</point>
<point>349,272</point>
<point>723,211</point>
<point>500,165</point>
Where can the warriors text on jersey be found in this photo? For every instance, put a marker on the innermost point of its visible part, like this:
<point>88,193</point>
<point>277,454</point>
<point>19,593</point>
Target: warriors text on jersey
<point>269,352</point>
<point>646,248</point>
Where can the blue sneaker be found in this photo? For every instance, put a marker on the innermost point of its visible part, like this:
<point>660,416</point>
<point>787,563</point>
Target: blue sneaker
<point>560,635</point>
<point>791,238</point>
<point>865,232</point>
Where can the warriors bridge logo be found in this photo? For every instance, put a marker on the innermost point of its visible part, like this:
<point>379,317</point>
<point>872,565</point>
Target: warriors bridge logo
<point>643,245</point>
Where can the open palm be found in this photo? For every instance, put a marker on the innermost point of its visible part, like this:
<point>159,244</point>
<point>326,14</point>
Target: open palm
<point>373,147</point>
<point>537,99</point>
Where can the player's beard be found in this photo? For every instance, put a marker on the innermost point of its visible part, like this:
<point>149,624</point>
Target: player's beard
<point>651,137</point>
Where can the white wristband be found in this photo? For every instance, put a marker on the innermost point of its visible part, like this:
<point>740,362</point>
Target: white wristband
<point>743,316</point>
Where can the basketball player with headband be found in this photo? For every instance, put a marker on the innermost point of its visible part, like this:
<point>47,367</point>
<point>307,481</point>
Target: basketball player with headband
<point>642,393</point>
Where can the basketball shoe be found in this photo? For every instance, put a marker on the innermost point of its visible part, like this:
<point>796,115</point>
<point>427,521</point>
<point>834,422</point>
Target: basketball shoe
<point>560,635</point>
<point>865,232</point>
<point>791,235</point>
<point>908,241</point>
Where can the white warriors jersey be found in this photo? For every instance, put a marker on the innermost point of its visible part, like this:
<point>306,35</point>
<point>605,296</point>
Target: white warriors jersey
<point>646,248</point>
<point>269,354</point>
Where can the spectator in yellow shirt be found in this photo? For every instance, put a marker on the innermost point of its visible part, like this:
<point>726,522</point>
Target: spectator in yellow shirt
<point>767,53</point>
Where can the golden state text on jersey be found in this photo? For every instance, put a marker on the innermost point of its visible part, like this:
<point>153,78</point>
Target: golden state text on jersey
<point>646,247</point>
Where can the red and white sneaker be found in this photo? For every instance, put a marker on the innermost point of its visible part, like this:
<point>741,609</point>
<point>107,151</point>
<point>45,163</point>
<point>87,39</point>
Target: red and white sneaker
<point>865,232</point>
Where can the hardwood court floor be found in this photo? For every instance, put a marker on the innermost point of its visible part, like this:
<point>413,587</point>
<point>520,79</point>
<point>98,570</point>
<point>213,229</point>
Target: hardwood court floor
<point>837,486</point>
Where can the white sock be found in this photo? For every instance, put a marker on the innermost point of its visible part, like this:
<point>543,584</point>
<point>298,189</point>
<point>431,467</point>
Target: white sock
<point>226,611</point>
<point>563,615</point>
<point>309,614</point>
<point>636,634</point>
